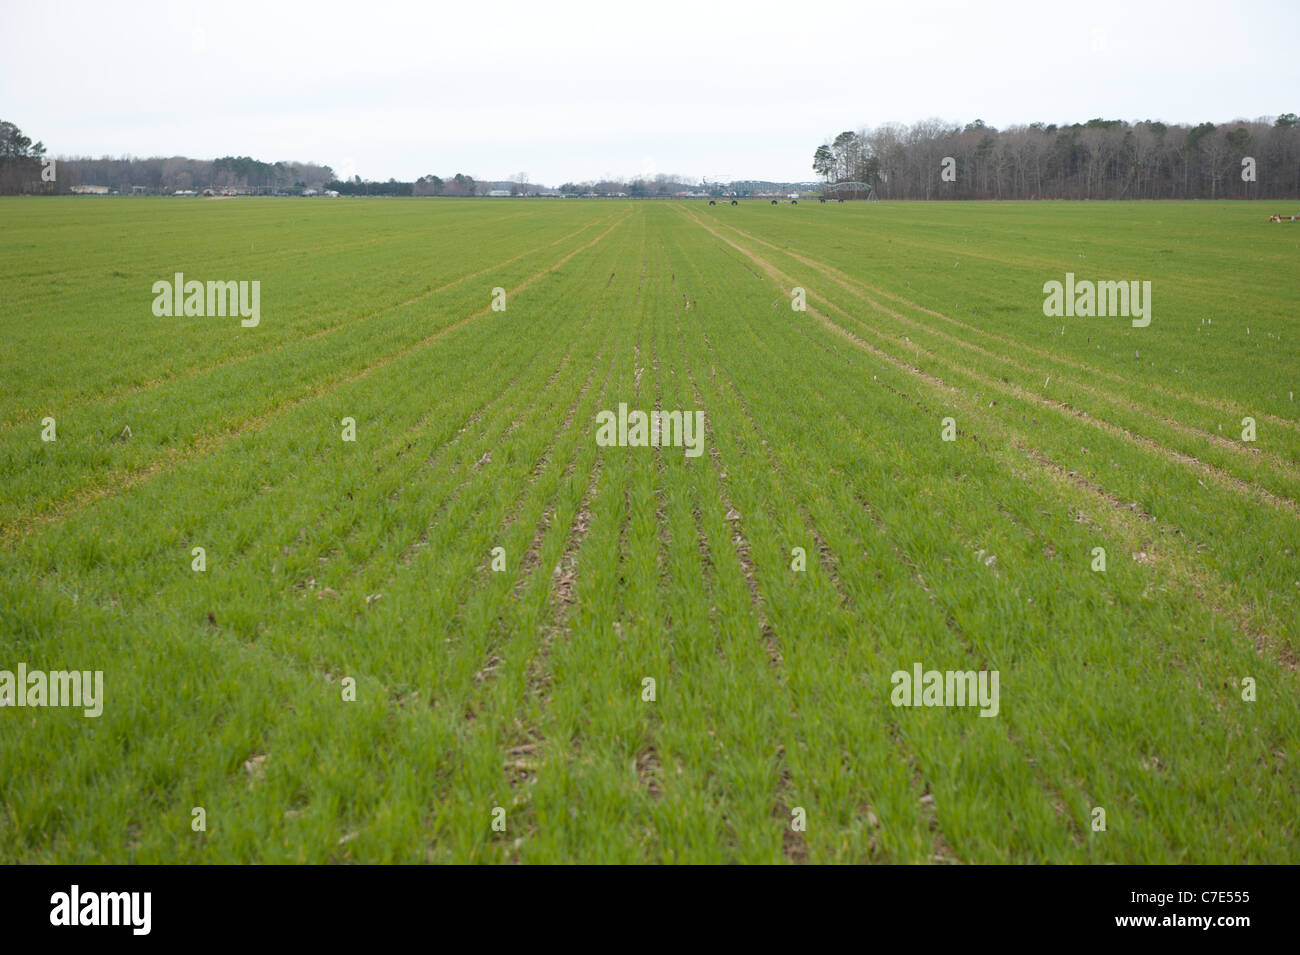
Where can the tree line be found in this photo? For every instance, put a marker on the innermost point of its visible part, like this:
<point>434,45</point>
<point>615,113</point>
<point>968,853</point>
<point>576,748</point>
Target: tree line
<point>21,162</point>
<point>24,167</point>
<point>1099,159</point>
<point>663,186</point>
<point>641,187</point>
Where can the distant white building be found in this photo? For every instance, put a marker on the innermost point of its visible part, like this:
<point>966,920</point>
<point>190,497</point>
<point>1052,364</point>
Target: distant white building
<point>499,192</point>
<point>90,190</point>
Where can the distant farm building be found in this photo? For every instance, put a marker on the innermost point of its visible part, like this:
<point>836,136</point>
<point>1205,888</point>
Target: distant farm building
<point>499,192</point>
<point>90,190</point>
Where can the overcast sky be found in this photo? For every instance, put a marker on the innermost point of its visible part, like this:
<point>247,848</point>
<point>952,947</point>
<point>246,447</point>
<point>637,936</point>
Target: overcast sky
<point>578,91</point>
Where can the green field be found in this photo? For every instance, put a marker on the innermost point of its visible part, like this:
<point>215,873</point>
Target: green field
<point>522,688</point>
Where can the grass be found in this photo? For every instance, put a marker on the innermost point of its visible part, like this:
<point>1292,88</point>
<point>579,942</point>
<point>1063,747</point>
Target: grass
<point>523,688</point>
